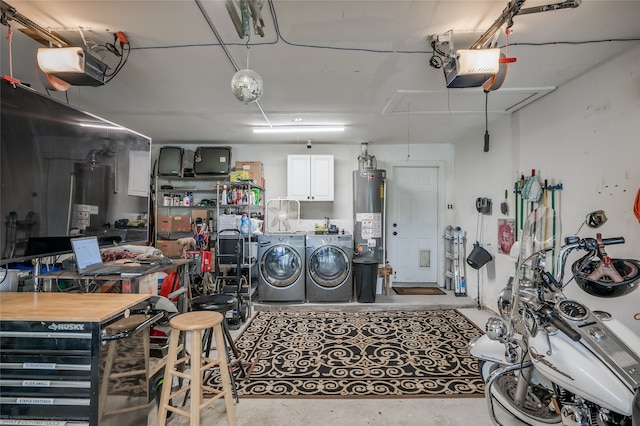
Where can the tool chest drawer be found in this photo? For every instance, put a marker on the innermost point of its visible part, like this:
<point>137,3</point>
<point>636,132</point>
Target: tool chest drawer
<point>46,370</point>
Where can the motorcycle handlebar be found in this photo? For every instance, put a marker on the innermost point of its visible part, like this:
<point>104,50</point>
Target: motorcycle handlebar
<point>614,240</point>
<point>561,325</point>
<point>583,244</point>
<point>551,315</point>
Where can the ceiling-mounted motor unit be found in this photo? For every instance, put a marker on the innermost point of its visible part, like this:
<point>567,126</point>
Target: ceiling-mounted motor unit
<point>471,67</point>
<point>74,65</point>
<point>476,65</point>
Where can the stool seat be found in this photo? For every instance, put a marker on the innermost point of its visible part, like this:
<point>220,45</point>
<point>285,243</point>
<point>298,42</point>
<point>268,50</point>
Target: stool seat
<point>214,302</point>
<point>126,324</point>
<point>196,320</point>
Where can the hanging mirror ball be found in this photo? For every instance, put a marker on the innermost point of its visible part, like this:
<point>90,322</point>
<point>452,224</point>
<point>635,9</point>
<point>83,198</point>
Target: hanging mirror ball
<point>246,85</point>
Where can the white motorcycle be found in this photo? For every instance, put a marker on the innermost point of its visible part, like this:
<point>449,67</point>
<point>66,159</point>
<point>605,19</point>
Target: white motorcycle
<point>551,360</point>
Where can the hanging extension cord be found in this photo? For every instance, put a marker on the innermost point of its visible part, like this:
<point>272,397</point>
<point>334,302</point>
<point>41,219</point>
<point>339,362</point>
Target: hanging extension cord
<point>486,122</point>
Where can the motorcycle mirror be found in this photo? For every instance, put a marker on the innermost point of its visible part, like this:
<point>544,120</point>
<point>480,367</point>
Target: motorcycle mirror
<point>594,220</point>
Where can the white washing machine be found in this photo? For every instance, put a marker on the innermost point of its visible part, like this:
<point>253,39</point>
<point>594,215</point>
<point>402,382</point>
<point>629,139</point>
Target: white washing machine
<point>329,267</point>
<point>281,266</point>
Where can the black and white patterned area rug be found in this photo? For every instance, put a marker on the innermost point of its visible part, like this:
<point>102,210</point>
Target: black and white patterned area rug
<point>358,354</point>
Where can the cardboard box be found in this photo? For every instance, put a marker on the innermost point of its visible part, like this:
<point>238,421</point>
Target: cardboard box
<point>241,175</point>
<point>200,213</point>
<point>181,224</point>
<point>164,223</point>
<point>170,248</point>
<point>253,167</point>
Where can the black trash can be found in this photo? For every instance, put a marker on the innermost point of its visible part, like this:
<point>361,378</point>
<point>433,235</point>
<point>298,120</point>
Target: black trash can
<point>366,272</point>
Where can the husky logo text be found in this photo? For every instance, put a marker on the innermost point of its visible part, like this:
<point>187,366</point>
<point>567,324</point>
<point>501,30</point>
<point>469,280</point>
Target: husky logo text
<point>66,327</point>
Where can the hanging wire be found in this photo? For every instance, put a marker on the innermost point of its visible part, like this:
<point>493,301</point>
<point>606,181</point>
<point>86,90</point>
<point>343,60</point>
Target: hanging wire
<point>248,48</point>
<point>486,121</point>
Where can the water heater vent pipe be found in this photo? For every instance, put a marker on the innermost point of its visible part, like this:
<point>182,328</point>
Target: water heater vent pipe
<point>366,161</point>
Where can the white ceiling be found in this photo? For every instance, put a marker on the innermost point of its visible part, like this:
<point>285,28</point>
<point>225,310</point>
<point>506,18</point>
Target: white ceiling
<point>361,63</point>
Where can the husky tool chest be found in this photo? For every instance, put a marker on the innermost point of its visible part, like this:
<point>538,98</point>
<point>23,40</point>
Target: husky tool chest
<point>74,359</point>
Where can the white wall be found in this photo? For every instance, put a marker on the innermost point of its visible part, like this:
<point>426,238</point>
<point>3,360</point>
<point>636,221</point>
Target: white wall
<point>340,211</point>
<point>585,135</point>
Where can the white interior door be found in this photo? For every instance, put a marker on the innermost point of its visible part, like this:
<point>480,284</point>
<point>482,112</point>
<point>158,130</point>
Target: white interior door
<point>412,224</point>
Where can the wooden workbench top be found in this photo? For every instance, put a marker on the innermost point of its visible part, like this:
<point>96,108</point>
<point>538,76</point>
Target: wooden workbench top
<point>87,307</point>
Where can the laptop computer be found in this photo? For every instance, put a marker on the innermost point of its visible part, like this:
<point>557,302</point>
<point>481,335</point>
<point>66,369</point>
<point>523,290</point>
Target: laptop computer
<point>89,260</point>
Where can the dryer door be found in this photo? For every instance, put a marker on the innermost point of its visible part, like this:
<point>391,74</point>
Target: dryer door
<point>281,266</point>
<point>329,266</point>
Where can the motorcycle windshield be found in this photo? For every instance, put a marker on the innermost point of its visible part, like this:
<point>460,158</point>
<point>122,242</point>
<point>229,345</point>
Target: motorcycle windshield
<point>538,246</point>
<point>539,232</point>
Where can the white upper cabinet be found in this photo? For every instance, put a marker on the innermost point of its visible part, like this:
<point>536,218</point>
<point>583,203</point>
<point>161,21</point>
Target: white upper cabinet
<point>310,177</point>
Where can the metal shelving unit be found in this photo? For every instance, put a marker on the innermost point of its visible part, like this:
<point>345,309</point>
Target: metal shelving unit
<point>207,192</point>
<point>249,244</point>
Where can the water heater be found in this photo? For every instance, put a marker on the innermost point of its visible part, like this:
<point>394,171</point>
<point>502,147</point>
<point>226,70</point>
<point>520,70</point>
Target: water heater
<point>368,207</point>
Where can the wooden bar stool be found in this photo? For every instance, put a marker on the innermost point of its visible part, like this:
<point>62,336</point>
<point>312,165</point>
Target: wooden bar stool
<point>385,272</point>
<point>196,322</point>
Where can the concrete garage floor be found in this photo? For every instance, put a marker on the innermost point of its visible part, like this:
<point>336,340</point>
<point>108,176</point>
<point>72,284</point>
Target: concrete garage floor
<point>356,412</point>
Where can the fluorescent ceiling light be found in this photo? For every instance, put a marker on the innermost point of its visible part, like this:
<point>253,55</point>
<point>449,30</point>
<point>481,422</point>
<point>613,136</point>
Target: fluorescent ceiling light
<point>298,129</point>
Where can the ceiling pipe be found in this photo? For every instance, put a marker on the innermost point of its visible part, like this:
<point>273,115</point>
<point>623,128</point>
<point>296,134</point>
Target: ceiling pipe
<point>217,34</point>
<point>226,51</point>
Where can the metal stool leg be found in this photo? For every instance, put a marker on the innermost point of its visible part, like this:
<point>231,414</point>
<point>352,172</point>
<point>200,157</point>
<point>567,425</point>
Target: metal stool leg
<point>207,340</point>
<point>233,347</point>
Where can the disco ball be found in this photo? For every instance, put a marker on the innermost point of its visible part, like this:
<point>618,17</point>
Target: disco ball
<point>246,85</point>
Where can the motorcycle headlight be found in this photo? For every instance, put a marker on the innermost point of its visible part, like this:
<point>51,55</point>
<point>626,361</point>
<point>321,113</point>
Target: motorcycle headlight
<point>496,328</point>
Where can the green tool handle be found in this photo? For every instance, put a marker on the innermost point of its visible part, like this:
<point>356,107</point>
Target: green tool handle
<point>521,202</point>
<point>515,191</point>
<point>553,230</point>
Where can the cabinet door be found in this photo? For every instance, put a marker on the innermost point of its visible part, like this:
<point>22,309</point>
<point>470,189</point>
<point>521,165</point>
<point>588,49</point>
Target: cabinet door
<point>139,163</point>
<point>321,177</point>
<point>298,177</point>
